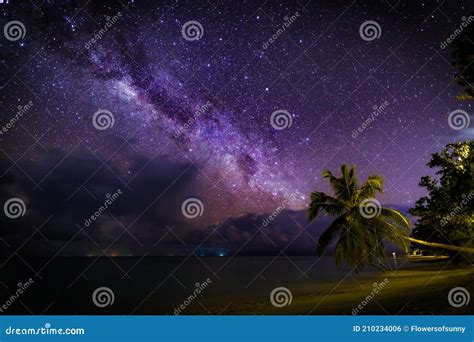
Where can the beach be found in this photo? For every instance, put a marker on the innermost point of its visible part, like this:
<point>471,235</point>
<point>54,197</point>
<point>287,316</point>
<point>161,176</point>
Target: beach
<point>411,291</point>
<point>230,286</point>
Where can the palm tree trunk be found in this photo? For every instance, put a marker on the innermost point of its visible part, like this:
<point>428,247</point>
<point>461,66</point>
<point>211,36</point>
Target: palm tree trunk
<point>441,245</point>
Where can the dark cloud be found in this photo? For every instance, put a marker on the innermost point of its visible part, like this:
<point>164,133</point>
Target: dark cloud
<point>269,234</point>
<point>62,191</point>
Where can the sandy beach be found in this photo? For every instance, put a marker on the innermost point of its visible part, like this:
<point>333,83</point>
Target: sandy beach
<point>421,290</point>
<point>239,285</point>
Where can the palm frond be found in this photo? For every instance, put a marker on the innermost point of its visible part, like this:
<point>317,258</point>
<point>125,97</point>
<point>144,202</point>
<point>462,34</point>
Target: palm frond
<point>395,216</point>
<point>323,202</point>
<point>394,234</point>
<point>330,233</point>
<point>370,187</point>
<point>344,186</point>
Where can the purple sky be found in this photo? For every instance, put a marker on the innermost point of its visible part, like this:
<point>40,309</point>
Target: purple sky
<point>153,80</point>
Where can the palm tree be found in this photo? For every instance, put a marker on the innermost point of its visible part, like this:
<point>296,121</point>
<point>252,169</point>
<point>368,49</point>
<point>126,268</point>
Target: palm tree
<point>362,225</point>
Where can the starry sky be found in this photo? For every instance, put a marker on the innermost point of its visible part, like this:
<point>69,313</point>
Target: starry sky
<point>201,108</point>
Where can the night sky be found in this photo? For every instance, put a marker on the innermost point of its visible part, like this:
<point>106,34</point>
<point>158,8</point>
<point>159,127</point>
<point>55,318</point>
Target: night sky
<point>192,110</point>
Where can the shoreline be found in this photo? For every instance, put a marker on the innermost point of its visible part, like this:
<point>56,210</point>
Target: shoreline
<point>420,290</point>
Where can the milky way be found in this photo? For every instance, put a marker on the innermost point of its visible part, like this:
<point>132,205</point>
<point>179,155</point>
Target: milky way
<point>209,101</point>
